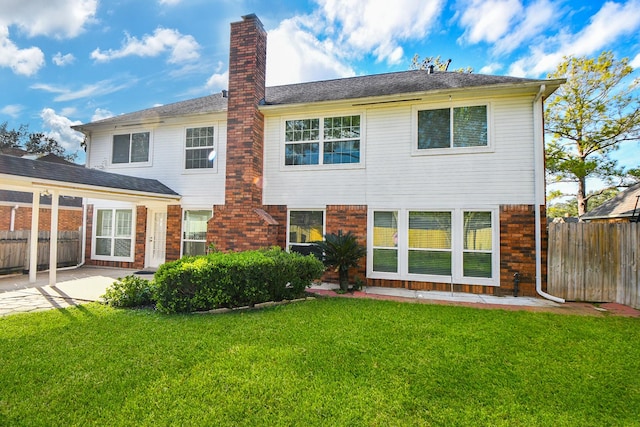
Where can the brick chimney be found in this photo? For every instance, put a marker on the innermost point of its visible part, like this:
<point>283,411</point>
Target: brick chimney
<point>242,222</point>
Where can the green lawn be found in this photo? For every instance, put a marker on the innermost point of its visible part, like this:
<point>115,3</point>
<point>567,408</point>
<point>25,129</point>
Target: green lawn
<point>324,362</point>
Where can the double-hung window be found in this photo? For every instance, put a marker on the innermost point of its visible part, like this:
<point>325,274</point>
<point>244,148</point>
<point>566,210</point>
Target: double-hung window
<point>305,227</point>
<point>194,232</point>
<point>114,234</point>
<point>456,245</point>
<point>322,141</point>
<point>452,127</point>
<point>199,148</point>
<point>130,148</point>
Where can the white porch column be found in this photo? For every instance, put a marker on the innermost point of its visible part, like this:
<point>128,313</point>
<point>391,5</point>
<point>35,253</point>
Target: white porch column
<point>53,240</point>
<point>33,237</point>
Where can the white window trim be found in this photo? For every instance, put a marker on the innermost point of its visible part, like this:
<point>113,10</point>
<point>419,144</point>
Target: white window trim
<point>324,223</point>
<point>457,247</point>
<point>415,151</point>
<point>96,257</point>
<point>129,164</point>
<point>182,239</point>
<point>323,166</point>
<point>216,145</point>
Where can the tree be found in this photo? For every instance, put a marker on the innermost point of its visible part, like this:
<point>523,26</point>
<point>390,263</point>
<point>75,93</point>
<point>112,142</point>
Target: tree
<point>595,111</point>
<point>436,61</point>
<point>33,143</point>
<point>341,251</point>
<point>570,207</point>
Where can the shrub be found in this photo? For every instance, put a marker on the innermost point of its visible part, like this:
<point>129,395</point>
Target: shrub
<point>130,291</point>
<point>341,251</point>
<point>233,279</point>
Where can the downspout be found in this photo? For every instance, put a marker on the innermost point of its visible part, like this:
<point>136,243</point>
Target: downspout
<point>538,189</point>
<point>12,221</point>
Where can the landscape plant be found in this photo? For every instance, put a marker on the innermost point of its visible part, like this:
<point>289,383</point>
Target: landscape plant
<point>130,291</point>
<point>341,252</point>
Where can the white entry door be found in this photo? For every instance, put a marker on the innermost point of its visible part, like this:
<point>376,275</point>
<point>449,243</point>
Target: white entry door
<point>157,239</point>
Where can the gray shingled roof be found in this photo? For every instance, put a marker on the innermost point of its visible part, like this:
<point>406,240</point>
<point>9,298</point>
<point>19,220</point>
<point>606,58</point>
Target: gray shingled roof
<point>328,90</point>
<point>382,85</point>
<point>80,176</point>
<point>621,206</point>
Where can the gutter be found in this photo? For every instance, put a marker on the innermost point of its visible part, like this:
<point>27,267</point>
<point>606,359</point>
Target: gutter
<point>538,194</point>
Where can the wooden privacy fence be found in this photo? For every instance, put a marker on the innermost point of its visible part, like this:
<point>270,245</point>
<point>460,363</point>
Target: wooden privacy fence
<point>14,249</point>
<point>595,262</point>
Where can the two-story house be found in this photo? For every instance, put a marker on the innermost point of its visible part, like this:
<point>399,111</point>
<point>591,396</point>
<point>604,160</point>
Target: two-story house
<point>439,174</point>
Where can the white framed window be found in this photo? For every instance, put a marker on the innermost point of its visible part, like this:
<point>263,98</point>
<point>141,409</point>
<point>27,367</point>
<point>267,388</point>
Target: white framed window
<point>194,231</point>
<point>444,245</point>
<point>323,140</point>
<point>303,228</point>
<point>113,235</point>
<point>451,129</point>
<point>200,150</point>
<point>129,148</point>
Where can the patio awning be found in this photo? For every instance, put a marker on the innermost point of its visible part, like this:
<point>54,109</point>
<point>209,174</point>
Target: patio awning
<point>42,177</point>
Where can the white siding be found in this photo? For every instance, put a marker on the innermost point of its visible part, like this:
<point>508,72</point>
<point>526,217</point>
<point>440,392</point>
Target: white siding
<point>198,188</point>
<point>393,177</point>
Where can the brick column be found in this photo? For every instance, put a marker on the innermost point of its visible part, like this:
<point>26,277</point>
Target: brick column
<point>242,223</point>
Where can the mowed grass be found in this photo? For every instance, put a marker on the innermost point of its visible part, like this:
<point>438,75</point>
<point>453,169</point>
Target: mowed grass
<point>326,362</point>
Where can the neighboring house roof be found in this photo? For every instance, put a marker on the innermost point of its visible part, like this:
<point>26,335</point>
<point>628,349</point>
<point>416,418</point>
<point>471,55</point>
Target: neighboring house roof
<point>76,177</point>
<point>621,206</point>
<point>377,85</point>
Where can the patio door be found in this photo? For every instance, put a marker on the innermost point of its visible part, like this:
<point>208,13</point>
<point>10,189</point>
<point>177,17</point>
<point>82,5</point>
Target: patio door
<point>157,238</point>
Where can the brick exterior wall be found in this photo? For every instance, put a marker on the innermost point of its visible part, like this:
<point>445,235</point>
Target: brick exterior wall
<point>140,236</point>
<point>174,232</point>
<point>347,218</point>
<point>242,223</point>
<point>69,219</point>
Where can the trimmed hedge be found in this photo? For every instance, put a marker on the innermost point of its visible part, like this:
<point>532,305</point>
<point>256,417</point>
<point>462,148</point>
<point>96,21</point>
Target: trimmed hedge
<point>233,279</point>
<point>130,291</point>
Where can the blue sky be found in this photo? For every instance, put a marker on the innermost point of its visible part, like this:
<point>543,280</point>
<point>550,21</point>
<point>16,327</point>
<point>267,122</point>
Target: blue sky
<point>65,62</point>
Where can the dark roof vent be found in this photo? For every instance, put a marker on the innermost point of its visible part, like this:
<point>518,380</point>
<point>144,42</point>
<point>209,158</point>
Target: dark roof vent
<point>430,68</point>
<point>224,93</point>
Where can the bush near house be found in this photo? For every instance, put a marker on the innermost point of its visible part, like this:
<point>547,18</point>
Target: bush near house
<point>130,291</point>
<point>233,279</point>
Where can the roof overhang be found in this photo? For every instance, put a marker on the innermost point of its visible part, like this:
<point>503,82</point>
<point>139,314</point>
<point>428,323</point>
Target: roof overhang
<point>32,185</point>
<point>524,88</point>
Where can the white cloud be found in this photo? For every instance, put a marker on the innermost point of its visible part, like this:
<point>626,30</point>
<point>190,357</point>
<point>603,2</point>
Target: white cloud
<point>612,22</point>
<point>373,26</point>
<point>101,114</point>
<point>56,18</point>
<point>488,20</point>
<point>181,47</point>
<point>635,62</point>
<point>103,87</point>
<point>535,19</point>
<point>12,110</point>
<point>218,80</point>
<point>25,62</point>
<point>294,55</point>
<point>61,60</point>
<point>169,2</point>
<point>490,68</point>
<point>59,128</point>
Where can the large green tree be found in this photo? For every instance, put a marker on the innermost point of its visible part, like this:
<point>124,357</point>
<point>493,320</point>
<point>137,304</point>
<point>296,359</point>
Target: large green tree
<point>33,143</point>
<point>588,118</point>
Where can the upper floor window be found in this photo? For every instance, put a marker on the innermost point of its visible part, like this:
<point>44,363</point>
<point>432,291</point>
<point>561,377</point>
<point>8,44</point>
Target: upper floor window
<point>131,148</point>
<point>455,127</point>
<point>200,150</point>
<point>322,141</point>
